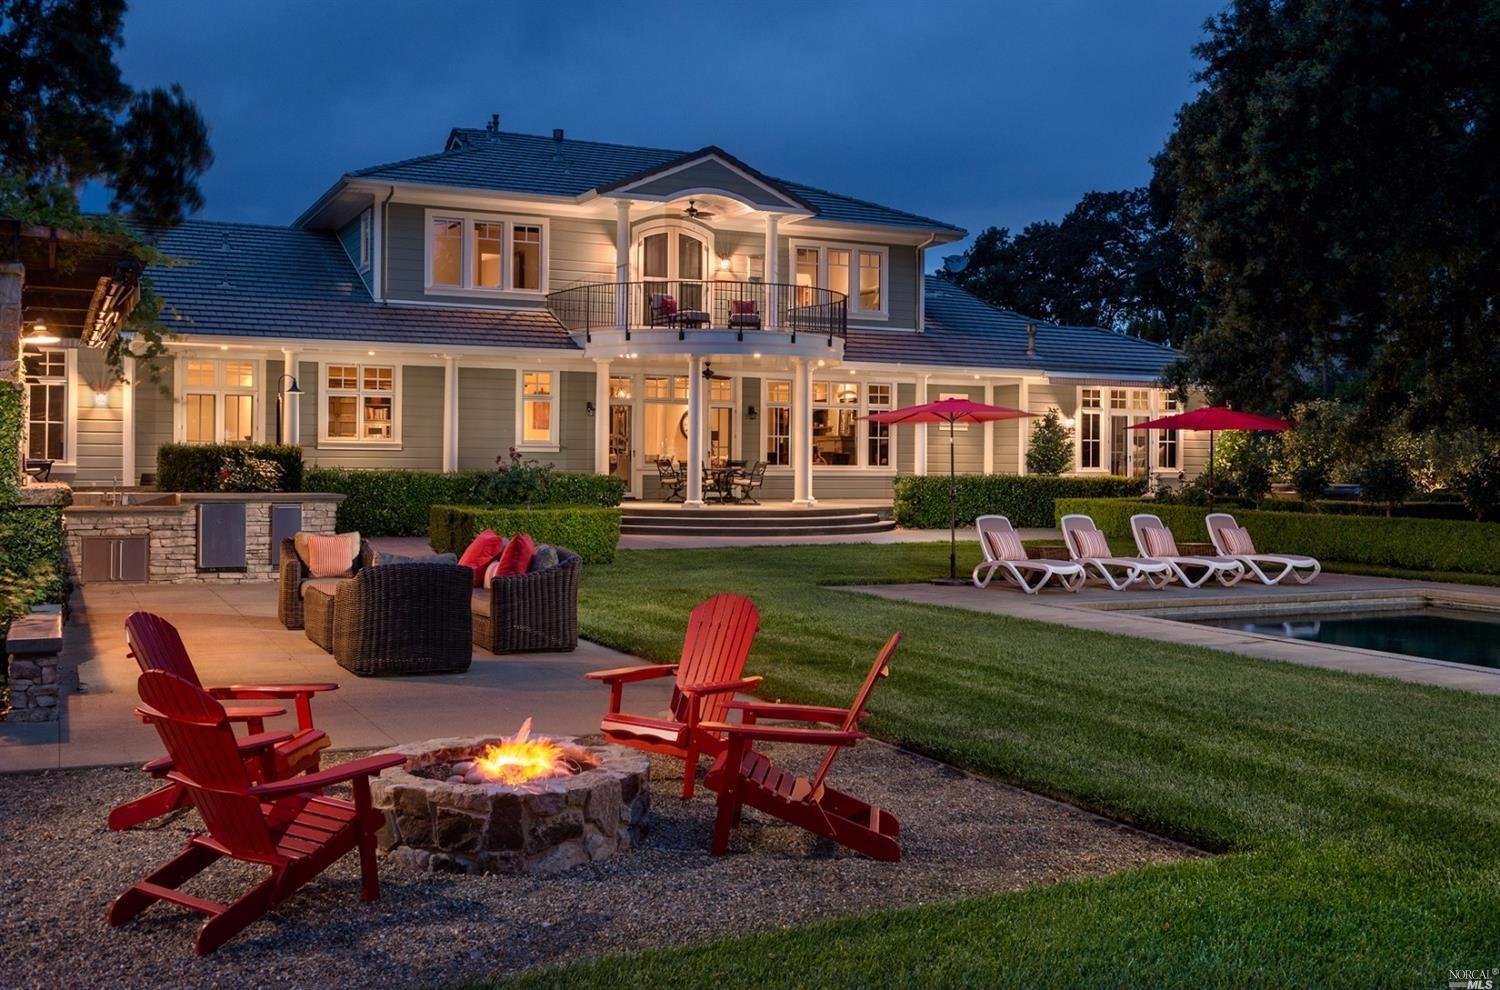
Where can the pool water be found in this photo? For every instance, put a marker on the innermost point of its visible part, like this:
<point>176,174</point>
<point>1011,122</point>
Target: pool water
<point>1435,633</point>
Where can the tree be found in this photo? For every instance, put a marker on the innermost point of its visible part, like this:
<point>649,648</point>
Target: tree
<point>1111,262</point>
<point>1050,451</point>
<point>1336,180</point>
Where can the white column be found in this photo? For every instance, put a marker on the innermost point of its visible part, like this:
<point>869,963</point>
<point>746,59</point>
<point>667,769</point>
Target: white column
<point>802,483</point>
<point>127,422</point>
<point>622,263</point>
<point>989,431</point>
<point>921,428</point>
<point>601,417</point>
<point>1023,402</point>
<point>291,411</point>
<point>773,273</point>
<point>450,413</point>
<point>695,434</point>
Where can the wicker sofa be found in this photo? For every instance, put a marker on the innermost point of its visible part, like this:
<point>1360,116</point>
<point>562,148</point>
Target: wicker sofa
<point>400,619</point>
<point>530,613</point>
<point>295,575</point>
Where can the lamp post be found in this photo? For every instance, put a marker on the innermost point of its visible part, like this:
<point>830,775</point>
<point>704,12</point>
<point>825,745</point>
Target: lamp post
<point>295,389</point>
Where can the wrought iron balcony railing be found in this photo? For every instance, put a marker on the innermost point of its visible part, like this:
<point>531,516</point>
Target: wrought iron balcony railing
<point>682,306</point>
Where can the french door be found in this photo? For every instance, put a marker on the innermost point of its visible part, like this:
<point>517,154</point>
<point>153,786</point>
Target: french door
<point>675,259</point>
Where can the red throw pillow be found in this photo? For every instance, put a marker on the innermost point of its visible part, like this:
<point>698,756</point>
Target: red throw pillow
<point>485,548</point>
<point>742,307</point>
<point>517,556</point>
<point>668,306</point>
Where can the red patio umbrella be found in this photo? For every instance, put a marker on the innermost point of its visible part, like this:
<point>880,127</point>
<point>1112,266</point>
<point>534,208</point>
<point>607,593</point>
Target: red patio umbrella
<point>950,411</point>
<point>1214,419</point>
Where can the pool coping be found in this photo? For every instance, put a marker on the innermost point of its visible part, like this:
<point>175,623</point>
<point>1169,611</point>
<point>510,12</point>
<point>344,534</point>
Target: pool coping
<point>1165,619</point>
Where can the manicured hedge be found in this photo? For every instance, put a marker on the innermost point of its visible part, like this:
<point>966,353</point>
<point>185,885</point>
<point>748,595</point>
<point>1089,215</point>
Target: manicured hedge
<point>1413,544</point>
<point>922,502</point>
<point>590,531</point>
<point>194,467</point>
<point>400,503</point>
<point>31,561</point>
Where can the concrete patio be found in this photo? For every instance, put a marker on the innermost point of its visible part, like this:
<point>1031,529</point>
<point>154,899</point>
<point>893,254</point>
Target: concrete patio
<point>234,637</point>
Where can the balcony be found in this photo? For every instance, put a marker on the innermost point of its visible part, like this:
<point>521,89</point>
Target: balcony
<point>753,310</point>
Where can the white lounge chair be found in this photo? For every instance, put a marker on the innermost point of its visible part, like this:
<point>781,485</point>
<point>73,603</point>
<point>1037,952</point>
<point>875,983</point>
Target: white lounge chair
<point>1084,543</point>
<point>1154,541</point>
<point>1004,552</point>
<point>1233,541</point>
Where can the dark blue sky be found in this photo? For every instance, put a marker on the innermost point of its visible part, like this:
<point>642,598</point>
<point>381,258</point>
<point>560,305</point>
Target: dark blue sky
<point>975,113</point>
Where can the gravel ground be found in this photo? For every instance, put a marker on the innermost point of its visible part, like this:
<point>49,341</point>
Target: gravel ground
<point>961,837</point>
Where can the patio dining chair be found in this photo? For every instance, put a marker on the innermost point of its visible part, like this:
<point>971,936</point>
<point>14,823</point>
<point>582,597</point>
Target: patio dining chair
<point>673,479</point>
<point>745,485</point>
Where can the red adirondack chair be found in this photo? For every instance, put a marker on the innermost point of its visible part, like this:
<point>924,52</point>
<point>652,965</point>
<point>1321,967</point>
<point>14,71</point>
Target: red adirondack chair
<point>741,776</point>
<point>286,825</point>
<point>718,640</point>
<point>156,645</point>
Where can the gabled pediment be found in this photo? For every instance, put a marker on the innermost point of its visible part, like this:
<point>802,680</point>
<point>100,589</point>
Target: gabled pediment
<point>709,171</point>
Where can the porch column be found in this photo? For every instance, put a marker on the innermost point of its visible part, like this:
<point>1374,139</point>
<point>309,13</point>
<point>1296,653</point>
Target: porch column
<point>773,273</point>
<point>802,484</point>
<point>921,452</point>
<point>601,417</point>
<point>989,431</point>
<point>127,421</point>
<point>622,263</point>
<point>1023,402</point>
<point>450,413</point>
<point>695,434</point>
<point>291,405</point>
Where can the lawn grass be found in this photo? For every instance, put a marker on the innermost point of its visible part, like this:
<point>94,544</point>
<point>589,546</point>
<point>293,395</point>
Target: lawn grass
<point>1357,816</point>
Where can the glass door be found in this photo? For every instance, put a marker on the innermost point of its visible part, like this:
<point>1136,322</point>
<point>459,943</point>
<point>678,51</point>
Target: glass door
<point>690,268</point>
<point>674,263</point>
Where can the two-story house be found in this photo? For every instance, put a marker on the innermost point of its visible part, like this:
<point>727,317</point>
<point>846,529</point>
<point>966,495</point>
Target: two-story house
<point>602,307</point>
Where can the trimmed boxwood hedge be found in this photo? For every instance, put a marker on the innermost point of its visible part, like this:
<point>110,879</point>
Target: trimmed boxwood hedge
<point>399,503</point>
<point>1410,544</point>
<point>922,501</point>
<point>590,531</point>
<point>194,467</point>
<point>31,562</point>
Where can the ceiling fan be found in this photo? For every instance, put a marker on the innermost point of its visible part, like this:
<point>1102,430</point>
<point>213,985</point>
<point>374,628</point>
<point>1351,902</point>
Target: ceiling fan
<point>693,213</point>
<point>710,374</point>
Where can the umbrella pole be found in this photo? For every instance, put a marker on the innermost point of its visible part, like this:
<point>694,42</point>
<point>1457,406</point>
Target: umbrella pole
<point>1212,438</point>
<point>952,506</point>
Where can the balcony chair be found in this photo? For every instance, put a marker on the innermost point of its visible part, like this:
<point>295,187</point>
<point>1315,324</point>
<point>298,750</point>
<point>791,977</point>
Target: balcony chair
<point>744,314</point>
<point>662,311</point>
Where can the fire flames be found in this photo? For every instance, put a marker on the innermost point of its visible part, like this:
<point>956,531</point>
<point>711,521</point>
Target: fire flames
<point>520,758</point>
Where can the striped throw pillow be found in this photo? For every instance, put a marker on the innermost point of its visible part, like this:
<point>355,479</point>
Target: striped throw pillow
<point>1091,543</point>
<point>1237,542</point>
<point>1005,545</point>
<point>1159,542</point>
<point>331,556</point>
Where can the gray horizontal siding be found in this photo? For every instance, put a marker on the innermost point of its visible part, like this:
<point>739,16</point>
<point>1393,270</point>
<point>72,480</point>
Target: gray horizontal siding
<point>968,444</point>
<point>710,175</point>
<point>100,454</point>
<point>153,418</point>
<point>486,416</point>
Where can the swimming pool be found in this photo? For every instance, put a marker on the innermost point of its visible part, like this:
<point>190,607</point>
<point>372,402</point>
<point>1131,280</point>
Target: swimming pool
<point>1434,632</point>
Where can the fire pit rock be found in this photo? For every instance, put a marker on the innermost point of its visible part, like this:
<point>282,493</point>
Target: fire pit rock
<point>541,827</point>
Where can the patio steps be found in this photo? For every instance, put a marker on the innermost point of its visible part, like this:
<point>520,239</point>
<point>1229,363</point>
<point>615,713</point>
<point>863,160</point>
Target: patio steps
<point>765,521</point>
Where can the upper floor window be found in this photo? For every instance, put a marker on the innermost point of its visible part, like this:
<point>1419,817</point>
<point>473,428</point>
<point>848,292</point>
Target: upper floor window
<point>47,405</point>
<point>219,400</point>
<point>360,403</point>
<point>858,272</point>
<point>366,240</point>
<point>479,253</point>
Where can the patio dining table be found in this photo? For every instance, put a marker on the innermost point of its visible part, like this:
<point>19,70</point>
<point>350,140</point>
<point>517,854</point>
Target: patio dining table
<point>719,480</point>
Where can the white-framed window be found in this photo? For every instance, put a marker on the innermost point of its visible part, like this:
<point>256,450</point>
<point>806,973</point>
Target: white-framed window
<point>778,416</point>
<point>485,253</point>
<point>366,239</point>
<point>1090,416</point>
<point>47,405</point>
<point>878,395</point>
<point>835,424</point>
<point>1108,437</point>
<point>859,271</point>
<point>841,437</point>
<point>536,409</point>
<point>360,404</point>
<point>220,400</point>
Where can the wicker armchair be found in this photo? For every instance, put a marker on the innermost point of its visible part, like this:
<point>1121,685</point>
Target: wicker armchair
<point>404,619</point>
<point>530,613</point>
<point>294,572</point>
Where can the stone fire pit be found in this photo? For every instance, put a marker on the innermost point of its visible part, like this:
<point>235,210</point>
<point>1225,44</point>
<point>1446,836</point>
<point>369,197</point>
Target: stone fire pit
<point>541,827</point>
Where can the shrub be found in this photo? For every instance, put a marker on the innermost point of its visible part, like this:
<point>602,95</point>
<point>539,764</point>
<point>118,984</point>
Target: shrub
<point>242,471</point>
<point>922,501</point>
<point>399,503</point>
<point>1310,479</point>
<point>1244,463</point>
<point>1384,481</point>
<point>1412,544</point>
<point>590,531</point>
<point>31,561</point>
<point>1050,451</point>
<point>197,467</point>
<point>1479,484</point>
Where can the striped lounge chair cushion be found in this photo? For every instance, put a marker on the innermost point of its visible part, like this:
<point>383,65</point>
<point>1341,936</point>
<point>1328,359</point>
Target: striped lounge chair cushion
<point>1159,542</point>
<point>1237,542</point>
<point>1091,543</point>
<point>1005,545</point>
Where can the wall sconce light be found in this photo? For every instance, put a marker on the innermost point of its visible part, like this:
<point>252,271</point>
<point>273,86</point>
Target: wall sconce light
<point>750,413</point>
<point>723,264</point>
<point>589,407</point>
<point>101,399</point>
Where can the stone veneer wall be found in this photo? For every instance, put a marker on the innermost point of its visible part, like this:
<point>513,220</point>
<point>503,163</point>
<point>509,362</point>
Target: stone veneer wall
<point>172,547</point>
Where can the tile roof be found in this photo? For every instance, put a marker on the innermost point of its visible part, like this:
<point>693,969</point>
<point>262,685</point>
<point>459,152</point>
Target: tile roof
<point>243,280</point>
<point>963,330</point>
<point>530,163</point>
